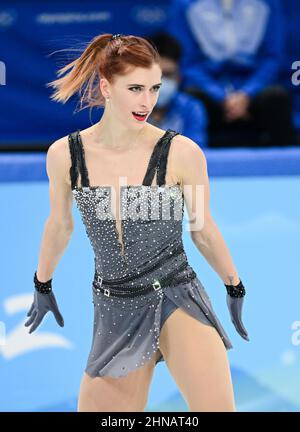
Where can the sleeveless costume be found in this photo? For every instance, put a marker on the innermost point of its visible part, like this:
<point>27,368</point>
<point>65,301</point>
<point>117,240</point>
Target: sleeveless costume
<point>127,325</point>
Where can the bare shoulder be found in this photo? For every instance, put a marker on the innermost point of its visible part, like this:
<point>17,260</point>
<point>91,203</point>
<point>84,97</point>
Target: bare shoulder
<point>186,147</point>
<point>185,153</point>
<point>60,146</point>
<point>59,158</point>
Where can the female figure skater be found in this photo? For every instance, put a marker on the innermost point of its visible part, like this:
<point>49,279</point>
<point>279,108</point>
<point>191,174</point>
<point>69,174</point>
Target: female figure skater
<point>149,304</point>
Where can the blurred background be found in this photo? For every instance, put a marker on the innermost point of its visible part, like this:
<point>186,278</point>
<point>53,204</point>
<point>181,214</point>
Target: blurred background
<point>231,83</point>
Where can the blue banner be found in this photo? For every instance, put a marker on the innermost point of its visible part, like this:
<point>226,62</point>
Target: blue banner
<point>29,35</point>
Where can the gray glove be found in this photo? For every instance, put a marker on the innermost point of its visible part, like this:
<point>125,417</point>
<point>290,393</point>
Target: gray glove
<point>234,300</point>
<point>44,301</point>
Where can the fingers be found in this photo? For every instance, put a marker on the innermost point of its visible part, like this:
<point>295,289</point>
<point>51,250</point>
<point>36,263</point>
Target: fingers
<point>241,329</point>
<point>243,332</point>
<point>36,323</point>
<point>58,317</point>
<point>245,336</point>
<point>235,307</point>
<point>31,319</point>
<point>31,309</point>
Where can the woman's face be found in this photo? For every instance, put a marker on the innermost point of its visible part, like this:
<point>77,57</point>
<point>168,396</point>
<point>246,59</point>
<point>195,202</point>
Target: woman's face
<point>136,91</point>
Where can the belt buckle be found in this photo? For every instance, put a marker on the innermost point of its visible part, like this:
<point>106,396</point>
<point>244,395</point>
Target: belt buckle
<point>99,281</point>
<point>156,285</point>
<point>106,292</point>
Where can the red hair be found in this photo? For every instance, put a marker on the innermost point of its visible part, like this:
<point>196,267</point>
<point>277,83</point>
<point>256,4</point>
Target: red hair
<point>102,57</point>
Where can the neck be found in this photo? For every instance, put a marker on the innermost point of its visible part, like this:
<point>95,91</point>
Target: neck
<point>107,134</point>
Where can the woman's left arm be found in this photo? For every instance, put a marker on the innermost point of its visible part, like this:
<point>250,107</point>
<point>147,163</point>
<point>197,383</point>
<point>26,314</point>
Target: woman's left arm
<point>191,167</point>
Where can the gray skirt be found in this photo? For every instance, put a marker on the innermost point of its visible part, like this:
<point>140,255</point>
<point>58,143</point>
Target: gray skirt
<point>126,330</point>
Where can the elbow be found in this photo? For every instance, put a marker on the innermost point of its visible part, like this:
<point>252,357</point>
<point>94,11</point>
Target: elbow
<point>69,228</point>
<point>198,238</point>
<point>66,226</point>
<point>203,236</point>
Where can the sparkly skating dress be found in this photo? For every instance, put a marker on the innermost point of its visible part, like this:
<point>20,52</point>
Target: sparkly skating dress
<point>126,329</point>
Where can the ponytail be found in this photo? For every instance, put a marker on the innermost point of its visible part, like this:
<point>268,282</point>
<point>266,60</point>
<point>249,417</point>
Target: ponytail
<point>102,57</point>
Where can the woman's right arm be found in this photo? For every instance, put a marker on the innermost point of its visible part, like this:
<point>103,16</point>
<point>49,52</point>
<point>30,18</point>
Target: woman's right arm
<point>59,224</point>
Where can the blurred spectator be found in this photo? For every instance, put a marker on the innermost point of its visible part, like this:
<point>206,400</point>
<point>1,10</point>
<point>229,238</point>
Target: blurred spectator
<point>174,109</point>
<point>232,51</point>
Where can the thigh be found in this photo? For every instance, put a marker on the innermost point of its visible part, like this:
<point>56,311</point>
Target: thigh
<point>128,393</point>
<point>197,360</point>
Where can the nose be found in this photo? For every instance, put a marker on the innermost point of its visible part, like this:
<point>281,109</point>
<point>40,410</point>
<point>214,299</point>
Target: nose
<point>146,101</point>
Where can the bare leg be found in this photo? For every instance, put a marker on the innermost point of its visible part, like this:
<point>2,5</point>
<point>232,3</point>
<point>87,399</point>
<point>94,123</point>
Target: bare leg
<point>128,393</point>
<point>197,359</point>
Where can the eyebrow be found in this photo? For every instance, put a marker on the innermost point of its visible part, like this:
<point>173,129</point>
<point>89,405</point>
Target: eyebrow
<point>141,85</point>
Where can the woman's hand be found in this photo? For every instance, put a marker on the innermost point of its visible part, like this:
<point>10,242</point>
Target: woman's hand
<point>235,305</point>
<point>43,303</point>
